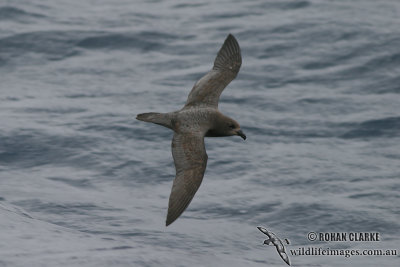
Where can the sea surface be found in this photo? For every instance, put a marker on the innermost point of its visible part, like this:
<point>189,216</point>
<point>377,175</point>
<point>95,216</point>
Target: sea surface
<point>83,183</point>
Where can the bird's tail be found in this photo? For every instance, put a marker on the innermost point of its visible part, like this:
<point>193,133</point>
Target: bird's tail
<point>157,118</point>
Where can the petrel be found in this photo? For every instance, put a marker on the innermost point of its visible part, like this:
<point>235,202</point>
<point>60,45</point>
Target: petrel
<point>275,241</point>
<point>199,118</point>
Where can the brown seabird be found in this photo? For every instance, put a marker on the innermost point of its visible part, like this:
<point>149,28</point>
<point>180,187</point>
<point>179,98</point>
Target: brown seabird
<point>199,118</point>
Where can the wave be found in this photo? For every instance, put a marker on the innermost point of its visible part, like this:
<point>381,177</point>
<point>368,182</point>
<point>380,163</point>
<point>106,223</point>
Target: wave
<point>118,41</point>
<point>381,63</point>
<point>28,147</point>
<point>13,13</point>
<point>78,183</point>
<point>14,209</point>
<point>283,5</point>
<point>54,45</point>
<point>36,205</point>
<point>59,45</point>
<point>385,127</point>
<point>304,214</point>
<point>387,85</point>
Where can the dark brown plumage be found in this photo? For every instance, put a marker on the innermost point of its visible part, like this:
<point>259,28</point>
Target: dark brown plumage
<point>199,117</point>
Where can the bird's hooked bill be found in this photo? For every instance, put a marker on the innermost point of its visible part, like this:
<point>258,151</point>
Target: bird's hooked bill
<point>241,134</point>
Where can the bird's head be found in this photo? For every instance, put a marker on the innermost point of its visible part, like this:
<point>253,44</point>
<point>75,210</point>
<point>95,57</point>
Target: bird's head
<point>233,128</point>
<point>224,126</point>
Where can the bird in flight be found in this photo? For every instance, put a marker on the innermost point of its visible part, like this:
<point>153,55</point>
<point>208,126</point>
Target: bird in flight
<point>199,118</point>
<point>275,241</point>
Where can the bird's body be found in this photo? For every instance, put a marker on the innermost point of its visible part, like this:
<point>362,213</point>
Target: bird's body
<point>273,240</point>
<point>199,118</point>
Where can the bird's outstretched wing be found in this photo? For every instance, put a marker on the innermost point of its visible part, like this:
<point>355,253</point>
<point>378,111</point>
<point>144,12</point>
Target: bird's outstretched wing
<point>265,231</point>
<point>284,257</point>
<point>190,160</point>
<point>207,90</point>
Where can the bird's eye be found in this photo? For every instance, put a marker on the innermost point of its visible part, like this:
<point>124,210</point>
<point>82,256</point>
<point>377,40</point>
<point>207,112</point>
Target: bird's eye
<point>232,126</point>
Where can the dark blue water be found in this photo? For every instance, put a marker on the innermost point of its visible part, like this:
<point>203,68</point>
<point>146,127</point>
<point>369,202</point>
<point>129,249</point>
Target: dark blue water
<point>82,183</point>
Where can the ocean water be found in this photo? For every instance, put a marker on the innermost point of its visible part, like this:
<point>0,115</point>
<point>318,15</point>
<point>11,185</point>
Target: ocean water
<point>82,183</point>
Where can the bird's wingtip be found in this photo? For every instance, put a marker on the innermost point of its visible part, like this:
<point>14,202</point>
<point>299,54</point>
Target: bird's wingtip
<point>229,57</point>
<point>262,229</point>
<point>231,37</point>
<point>170,219</point>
